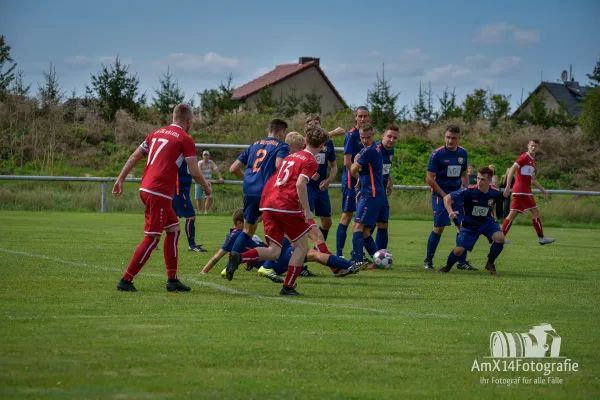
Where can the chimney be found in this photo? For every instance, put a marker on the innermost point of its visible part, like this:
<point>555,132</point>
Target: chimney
<point>304,60</point>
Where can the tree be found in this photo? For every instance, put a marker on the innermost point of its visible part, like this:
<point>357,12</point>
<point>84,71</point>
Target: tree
<point>312,102</point>
<point>590,114</point>
<point>292,103</point>
<point>18,87</point>
<point>50,93</point>
<point>214,102</point>
<point>7,77</point>
<point>594,77</point>
<point>169,94</point>
<point>448,107</point>
<point>382,103</point>
<point>116,89</point>
<point>498,108</point>
<point>475,105</point>
<point>423,108</point>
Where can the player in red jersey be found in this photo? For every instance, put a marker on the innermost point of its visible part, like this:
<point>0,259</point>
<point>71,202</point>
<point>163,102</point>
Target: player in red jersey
<point>524,172</point>
<point>286,211</point>
<point>165,149</point>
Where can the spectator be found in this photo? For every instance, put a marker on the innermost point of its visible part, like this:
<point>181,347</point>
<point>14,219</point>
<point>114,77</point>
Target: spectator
<point>207,166</point>
<point>494,181</point>
<point>472,174</point>
<point>502,212</point>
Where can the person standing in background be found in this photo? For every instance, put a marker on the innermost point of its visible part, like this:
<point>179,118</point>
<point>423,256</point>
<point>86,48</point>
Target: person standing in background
<point>207,167</point>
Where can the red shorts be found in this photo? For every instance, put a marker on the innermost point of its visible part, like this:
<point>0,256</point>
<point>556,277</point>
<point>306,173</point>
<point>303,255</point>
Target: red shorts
<point>278,224</point>
<point>159,213</point>
<point>522,203</point>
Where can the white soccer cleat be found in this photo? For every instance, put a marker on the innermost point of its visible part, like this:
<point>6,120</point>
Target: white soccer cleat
<point>547,240</point>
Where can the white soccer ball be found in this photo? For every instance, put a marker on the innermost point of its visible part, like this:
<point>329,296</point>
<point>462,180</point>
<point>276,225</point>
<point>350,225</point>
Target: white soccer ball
<point>383,259</point>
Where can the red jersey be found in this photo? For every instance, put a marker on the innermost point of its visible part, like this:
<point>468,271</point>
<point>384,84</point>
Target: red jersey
<point>166,148</point>
<point>526,171</point>
<point>280,191</point>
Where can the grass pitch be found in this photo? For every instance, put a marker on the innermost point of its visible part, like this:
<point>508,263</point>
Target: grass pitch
<point>403,333</point>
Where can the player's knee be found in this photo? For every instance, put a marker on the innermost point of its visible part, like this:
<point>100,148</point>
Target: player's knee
<point>326,223</point>
<point>192,218</point>
<point>172,229</point>
<point>458,251</point>
<point>439,230</point>
<point>382,225</point>
<point>358,227</point>
<point>346,218</point>
<point>498,237</point>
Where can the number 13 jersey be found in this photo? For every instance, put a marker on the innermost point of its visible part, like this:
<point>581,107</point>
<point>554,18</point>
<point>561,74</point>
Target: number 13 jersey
<point>280,192</point>
<point>165,150</point>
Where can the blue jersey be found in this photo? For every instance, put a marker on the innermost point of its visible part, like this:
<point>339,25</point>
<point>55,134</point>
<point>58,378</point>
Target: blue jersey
<point>448,166</point>
<point>324,157</point>
<point>184,179</point>
<point>352,146</point>
<point>477,206</point>
<point>259,160</point>
<point>387,156</point>
<point>281,264</point>
<point>371,174</point>
<point>232,237</point>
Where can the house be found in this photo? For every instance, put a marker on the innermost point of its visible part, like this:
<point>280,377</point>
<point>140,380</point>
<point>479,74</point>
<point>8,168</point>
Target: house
<point>568,94</point>
<point>305,77</point>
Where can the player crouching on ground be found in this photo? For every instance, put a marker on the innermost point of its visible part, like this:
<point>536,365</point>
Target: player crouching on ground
<point>478,202</point>
<point>286,211</point>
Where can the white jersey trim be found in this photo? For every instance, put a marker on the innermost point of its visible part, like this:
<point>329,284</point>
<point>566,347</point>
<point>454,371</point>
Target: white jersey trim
<point>522,194</point>
<point>270,239</point>
<point>278,210</point>
<point>156,193</point>
<point>306,176</point>
<point>518,166</point>
<point>303,233</point>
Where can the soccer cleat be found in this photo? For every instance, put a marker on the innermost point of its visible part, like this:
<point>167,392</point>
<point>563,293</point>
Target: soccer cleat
<point>445,269</point>
<point>269,273</point>
<point>224,273</point>
<point>174,285</point>
<point>490,266</point>
<point>546,240</point>
<point>126,286</point>
<point>197,248</point>
<point>289,291</point>
<point>232,265</point>
<point>466,266</point>
<point>306,272</point>
<point>428,265</point>
<point>508,242</point>
<point>370,267</point>
<point>353,269</point>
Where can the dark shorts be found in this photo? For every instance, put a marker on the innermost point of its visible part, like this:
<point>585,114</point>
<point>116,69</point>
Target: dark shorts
<point>371,210</point>
<point>319,201</point>
<point>251,209</point>
<point>467,236</point>
<point>348,199</point>
<point>440,215</point>
<point>182,205</point>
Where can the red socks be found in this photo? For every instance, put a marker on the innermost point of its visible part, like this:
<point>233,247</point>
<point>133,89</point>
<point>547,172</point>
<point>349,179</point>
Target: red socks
<point>323,248</point>
<point>249,256</point>
<point>291,276</point>
<point>140,256</point>
<point>170,252</point>
<point>537,225</point>
<point>506,226</point>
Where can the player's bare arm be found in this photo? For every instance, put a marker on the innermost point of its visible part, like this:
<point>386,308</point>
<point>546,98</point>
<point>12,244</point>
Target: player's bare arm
<point>192,163</point>
<point>430,179</point>
<point>511,173</point>
<point>135,157</point>
<point>303,197</point>
<point>236,169</point>
<point>213,261</point>
<point>538,185</point>
<point>332,174</point>
<point>337,132</point>
<point>448,204</point>
<point>278,162</point>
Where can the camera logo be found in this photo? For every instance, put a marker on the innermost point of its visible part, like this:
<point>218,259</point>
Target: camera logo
<point>541,341</point>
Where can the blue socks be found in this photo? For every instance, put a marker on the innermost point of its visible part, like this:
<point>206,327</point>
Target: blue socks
<point>338,262</point>
<point>240,243</point>
<point>358,241</point>
<point>190,231</point>
<point>432,244</point>
<point>341,239</point>
<point>452,259</point>
<point>370,245</point>
<point>495,250</point>
<point>382,239</point>
<point>324,232</point>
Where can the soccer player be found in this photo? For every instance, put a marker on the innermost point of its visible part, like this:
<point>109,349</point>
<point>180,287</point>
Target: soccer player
<point>446,171</point>
<point>373,205</point>
<point>478,202</point>
<point>352,146</point>
<point>286,211</point>
<point>207,166</point>
<point>386,146</point>
<point>182,204</point>
<point>261,160</point>
<point>524,170</point>
<point>165,149</point>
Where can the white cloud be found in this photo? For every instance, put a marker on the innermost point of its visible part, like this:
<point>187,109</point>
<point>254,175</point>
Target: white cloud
<point>474,70</point>
<point>209,62</point>
<point>493,33</point>
<point>503,67</point>
<point>447,73</point>
<point>526,37</point>
<point>81,61</point>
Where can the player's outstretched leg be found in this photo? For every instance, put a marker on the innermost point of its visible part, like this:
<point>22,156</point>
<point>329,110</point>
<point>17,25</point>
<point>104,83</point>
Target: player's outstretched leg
<point>495,250</point>
<point>232,264</point>
<point>140,257</point>
<point>537,225</point>
<point>190,232</point>
<point>452,259</point>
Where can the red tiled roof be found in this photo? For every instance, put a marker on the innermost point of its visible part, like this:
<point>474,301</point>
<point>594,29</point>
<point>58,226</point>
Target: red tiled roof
<point>280,73</point>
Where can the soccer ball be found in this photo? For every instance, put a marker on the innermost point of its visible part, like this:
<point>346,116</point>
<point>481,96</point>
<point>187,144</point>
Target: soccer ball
<point>383,259</point>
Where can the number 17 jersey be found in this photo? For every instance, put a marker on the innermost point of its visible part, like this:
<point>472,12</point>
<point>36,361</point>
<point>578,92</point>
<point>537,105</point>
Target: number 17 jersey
<point>280,192</point>
<point>259,160</point>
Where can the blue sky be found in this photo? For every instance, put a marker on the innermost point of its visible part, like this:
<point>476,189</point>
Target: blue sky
<point>503,46</point>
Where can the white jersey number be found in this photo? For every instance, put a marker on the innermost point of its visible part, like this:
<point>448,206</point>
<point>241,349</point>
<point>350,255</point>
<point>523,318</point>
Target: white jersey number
<point>152,157</point>
<point>527,170</point>
<point>285,168</point>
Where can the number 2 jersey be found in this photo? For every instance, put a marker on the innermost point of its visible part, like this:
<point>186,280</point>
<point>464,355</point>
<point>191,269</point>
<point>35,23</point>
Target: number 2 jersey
<point>280,192</point>
<point>165,149</point>
<point>259,160</point>
<point>525,173</point>
<point>448,166</point>
<point>477,206</point>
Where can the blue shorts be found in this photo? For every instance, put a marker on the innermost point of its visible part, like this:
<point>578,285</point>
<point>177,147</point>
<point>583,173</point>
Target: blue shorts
<point>280,266</point>
<point>440,215</point>
<point>348,199</point>
<point>251,209</point>
<point>199,193</point>
<point>182,205</point>
<point>467,236</point>
<point>371,210</point>
<point>319,201</point>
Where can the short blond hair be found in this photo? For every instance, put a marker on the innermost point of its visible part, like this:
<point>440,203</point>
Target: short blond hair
<point>182,112</point>
<point>295,140</point>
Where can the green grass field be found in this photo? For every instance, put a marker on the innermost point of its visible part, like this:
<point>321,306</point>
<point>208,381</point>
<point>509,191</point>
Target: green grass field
<point>403,333</point>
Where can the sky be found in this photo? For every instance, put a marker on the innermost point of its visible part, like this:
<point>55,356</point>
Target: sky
<point>505,46</point>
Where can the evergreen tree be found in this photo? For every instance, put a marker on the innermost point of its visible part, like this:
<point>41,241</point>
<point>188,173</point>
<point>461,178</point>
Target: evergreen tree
<point>590,114</point>
<point>383,103</point>
<point>423,110</point>
<point>498,108</point>
<point>594,77</point>
<point>50,92</point>
<point>6,77</point>
<point>18,87</point>
<point>448,107</point>
<point>169,94</point>
<point>475,105</point>
<point>312,102</point>
<point>292,103</point>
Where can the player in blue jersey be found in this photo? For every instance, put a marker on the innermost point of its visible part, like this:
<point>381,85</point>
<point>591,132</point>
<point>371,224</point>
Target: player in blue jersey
<point>478,203</point>
<point>352,146</point>
<point>446,172</point>
<point>372,205</point>
<point>261,160</point>
<point>182,204</point>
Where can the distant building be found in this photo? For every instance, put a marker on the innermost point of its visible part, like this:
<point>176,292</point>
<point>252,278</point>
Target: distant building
<point>306,77</point>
